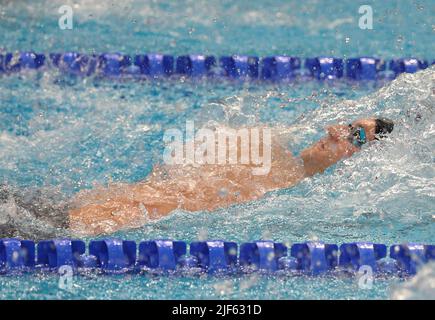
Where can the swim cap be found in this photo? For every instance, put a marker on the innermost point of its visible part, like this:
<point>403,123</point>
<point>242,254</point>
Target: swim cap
<point>383,126</point>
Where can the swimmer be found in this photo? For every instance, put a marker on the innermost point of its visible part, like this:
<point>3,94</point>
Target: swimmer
<point>209,187</point>
<point>205,187</point>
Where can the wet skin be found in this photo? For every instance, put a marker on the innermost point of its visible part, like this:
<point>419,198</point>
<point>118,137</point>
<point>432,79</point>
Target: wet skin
<point>334,146</point>
<point>205,187</point>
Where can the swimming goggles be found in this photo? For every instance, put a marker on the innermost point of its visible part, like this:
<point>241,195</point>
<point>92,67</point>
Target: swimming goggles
<point>357,136</point>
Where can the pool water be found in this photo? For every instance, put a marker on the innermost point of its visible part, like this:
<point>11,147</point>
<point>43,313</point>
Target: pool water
<point>61,134</point>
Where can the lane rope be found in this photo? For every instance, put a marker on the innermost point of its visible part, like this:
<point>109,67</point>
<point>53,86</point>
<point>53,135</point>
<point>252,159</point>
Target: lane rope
<point>216,256</point>
<point>272,68</point>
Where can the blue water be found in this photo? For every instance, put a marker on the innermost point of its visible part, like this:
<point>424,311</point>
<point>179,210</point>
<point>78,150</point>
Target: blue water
<point>59,135</point>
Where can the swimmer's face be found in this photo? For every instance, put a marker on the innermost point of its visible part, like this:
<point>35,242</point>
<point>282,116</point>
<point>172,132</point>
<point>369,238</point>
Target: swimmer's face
<point>335,146</point>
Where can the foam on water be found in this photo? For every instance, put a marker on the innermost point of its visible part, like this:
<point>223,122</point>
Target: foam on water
<point>420,287</point>
<point>56,140</point>
<point>384,193</point>
<point>59,134</point>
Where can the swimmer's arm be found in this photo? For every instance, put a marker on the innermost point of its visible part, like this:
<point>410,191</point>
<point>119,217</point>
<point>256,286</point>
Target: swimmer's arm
<point>106,210</point>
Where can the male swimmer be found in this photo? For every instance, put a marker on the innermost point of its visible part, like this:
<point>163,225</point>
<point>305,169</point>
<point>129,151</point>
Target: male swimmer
<point>208,187</point>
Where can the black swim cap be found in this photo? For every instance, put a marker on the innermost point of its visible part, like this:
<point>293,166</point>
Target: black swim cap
<point>383,126</point>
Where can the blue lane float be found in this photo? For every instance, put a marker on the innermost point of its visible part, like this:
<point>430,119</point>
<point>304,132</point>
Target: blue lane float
<point>114,64</point>
<point>262,255</point>
<point>31,60</point>
<point>74,63</point>
<point>195,65</point>
<point>325,67</point>
<point>16,255</point>
<point>364,68</point>
<point>356,254</point>
<point>237,67</point>
<point>14,62</point>
<point>55,253</point>
<point>213,257</point>
<point>315,257</point>
<point>280,68</point>
<point>155,65</point>
<point>408,65</point>
<point>409,257</point>
<point>113,255</point>
<point>161,254</point>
